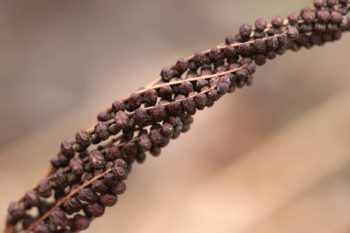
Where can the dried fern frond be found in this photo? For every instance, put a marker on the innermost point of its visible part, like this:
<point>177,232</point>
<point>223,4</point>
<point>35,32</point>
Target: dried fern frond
<point>88,173</point>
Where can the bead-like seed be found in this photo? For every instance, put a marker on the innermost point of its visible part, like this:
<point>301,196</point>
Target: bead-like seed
<point>58,218</point>
<point>60,179</point>
<point>319,3</point>
<point>200,100</point>
<point>336,17</point>
<point>44,189</point>
<point>41,227</point>
<point>277,21</point>
<point>331,3</point>
<point>103,116</point>
<point>134,101</point>
<point>156,137</point>
<point>95,139</point>
<point>80,222</point>
<point>113,129</point>
<point>323,16</point>
<point>260,24</point>
<point>259,46</point>
<point>155,151</point>
<point>189,106</point>
<point>15,211</point>
<point>199,58</point>
<point>121,120</point>
<point>181,65</point>
<point>110,179</point>
<point>120,172</point>
<point>293,18</point>
<point>144,143</point>
<point>99,186</point>
<point>112,153</point>
<point>120,163</point>
<point>166,74</point>
<point>292,32</point>
<point>166,92</point>
<point>96,159</point>
<point>245,30</point>
<point>213,95</point>
<point>214,54</point>
<point>72,205</point>
<point>87,195</point>
<point>95,209</point>
<point>119,188</point>
<point>308,16</point>
<point>186,88</point>
<point>108,199</point>
<point>67,148</point>
<point>101,130</point>
<point>130,149</point>
<point>83,138</point>
<point>167,130</point>
<point>141,117</point>
<point>118,106</point>
<point>150,97</point>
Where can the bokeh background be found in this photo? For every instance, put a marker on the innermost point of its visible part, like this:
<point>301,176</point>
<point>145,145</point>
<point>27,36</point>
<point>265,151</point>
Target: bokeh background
<point>271,158</point>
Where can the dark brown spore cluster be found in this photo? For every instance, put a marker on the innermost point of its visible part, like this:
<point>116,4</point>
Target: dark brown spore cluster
<point>88,173</point>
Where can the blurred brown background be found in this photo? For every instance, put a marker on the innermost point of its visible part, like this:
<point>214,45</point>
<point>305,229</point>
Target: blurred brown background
<point>271,158</point>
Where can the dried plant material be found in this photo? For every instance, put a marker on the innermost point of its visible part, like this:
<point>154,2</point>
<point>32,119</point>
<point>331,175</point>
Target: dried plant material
<point>84,180</point>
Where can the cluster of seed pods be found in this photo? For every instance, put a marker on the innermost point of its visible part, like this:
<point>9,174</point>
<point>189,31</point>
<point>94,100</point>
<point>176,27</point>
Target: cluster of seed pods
<point>87,175</point>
